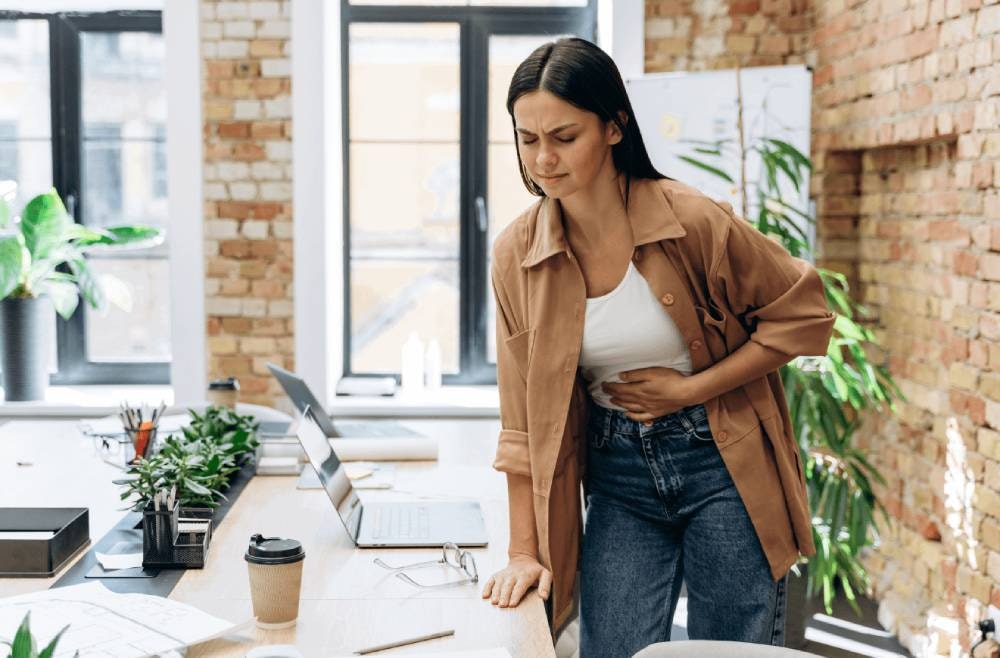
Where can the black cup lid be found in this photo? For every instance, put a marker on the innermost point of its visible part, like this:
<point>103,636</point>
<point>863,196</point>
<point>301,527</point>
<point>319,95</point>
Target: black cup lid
<point>273,550</point>
<point>231,384</point>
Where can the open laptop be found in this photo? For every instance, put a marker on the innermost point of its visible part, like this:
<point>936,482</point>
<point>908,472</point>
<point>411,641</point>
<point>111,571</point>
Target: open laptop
<point>395,524</point>
<point>302,397</point>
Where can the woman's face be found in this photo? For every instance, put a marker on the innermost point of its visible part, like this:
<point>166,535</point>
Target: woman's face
<point>564,149</point>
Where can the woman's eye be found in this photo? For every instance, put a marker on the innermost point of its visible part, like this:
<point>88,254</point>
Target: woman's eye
<point>567,140</point>
<point>526,142</point>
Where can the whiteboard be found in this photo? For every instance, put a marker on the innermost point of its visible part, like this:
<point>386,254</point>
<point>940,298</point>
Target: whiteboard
<point>671,107</point>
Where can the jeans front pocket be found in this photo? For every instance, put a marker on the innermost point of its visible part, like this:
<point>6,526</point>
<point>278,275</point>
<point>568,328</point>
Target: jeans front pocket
<point>695,421</point>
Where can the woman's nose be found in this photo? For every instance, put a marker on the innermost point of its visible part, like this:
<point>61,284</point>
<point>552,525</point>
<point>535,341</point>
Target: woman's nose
<point>546,159</point>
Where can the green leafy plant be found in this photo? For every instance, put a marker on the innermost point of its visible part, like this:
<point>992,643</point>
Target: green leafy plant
<point>25,645</point>
<point>200,461</point>
<point>43,252</point>
<point>826,395</point>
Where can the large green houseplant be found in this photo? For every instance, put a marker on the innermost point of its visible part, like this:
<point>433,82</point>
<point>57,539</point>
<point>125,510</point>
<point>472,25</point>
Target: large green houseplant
<point>827,396</point>
<point>43,265</point>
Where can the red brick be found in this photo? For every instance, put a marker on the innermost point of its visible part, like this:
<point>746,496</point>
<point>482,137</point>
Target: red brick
<point>234,129</point>
<point>249,152</point>
<point>267,129</point>
<point>218,69</point>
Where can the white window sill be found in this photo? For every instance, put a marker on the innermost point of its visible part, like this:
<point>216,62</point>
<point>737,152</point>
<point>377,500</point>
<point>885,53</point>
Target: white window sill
<point>445,402</point>
<point>85,401</point>
<point>97,401</point>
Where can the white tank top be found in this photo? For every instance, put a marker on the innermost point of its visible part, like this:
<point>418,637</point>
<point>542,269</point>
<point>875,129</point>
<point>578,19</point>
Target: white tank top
<point>628,328</point>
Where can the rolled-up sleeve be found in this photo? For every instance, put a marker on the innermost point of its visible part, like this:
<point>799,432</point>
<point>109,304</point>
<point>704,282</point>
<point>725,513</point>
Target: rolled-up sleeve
<point>779,298</point>
<point>512,445</point>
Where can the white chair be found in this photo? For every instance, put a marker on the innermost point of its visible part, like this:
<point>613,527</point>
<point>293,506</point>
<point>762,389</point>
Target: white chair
<point>715,649</point>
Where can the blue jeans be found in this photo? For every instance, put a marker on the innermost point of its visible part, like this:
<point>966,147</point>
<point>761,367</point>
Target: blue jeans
<point>662,508</point>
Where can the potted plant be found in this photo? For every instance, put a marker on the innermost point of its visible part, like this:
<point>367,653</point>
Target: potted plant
<point>43,265</point>
<point>24,644</point>
<point>828,395</point>
<point>199,462</point>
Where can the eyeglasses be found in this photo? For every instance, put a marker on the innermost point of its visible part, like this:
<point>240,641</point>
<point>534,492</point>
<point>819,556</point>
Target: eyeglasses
<point>452,556</point>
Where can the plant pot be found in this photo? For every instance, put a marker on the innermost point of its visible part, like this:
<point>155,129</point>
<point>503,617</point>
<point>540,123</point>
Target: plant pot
<point>799,610</point>
<point>26,324</point>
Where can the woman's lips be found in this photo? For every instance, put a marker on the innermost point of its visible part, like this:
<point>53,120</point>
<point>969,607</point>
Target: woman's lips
<point>550,179</point>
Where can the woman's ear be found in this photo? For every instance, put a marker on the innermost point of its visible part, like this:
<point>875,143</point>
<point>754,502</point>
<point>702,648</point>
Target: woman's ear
<point>614,134</point>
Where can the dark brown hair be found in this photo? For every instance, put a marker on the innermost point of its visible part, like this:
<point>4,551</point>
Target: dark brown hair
<point>583,75</point>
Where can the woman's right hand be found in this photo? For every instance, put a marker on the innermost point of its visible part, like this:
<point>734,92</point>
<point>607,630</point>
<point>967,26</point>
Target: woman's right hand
<point>506,587</point>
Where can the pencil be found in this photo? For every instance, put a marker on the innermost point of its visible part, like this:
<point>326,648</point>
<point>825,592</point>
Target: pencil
<point>403,643</point>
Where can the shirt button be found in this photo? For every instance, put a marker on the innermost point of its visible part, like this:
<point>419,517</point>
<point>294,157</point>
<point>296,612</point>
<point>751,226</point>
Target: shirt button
<point>723,436</point>
<point>667,299</point>
<point>637,256</point>
<point>696,344</point>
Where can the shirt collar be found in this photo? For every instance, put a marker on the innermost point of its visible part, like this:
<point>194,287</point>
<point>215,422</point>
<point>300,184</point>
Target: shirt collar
<point>649,212</point>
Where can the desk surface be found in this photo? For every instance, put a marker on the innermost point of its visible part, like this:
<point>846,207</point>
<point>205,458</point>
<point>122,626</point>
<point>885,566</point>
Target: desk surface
<point>347,601</point>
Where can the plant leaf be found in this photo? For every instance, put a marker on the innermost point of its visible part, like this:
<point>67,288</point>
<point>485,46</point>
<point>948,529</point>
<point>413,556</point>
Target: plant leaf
<point>44,223</point>
<point>135,236</point>
<point>707,167</point>
<point>64,296</point>
<point>12,262</point>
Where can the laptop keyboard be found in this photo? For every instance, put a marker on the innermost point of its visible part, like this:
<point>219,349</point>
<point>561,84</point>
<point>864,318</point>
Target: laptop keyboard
<point>398,521</point>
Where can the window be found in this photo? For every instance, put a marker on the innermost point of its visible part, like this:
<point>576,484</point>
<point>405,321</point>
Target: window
<point>89,109</point>
<point>431,172</point>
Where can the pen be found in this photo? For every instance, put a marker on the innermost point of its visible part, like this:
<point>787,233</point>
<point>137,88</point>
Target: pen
<point>403,643</point>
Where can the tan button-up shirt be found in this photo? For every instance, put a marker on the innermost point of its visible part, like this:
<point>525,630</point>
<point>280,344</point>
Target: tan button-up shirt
<point>723,283</point>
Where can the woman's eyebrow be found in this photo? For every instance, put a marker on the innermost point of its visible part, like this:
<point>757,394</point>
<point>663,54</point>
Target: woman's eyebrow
<point>551,132</point>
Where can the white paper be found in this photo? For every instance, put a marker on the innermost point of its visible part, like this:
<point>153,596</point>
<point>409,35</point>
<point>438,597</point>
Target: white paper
<point>113,561</point>
<point>385,449</point>
<point>103,622</point>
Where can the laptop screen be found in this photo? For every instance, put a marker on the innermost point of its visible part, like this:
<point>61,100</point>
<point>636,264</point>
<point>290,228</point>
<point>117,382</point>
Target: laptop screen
<point>303,397</point>
<point>331,472</point>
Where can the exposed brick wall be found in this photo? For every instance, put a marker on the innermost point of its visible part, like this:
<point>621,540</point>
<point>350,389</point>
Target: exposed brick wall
<point>906,148</point>
<point>248,192</point>
<point>695,35</point>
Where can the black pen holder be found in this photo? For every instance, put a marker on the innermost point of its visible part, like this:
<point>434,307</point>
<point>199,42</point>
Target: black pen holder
<point>159,529</point>
<point>193,535</point>
<point>177,538</point>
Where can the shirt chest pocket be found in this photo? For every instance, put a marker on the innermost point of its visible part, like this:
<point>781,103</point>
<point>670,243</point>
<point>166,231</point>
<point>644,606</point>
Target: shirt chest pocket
<point>519,347</point>
<point>713,322</point>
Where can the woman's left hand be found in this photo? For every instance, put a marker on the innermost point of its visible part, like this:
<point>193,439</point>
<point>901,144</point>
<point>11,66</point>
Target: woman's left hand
<point>648,393</point>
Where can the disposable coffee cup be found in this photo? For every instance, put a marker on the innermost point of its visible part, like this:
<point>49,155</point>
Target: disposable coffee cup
<point>224,393</point>
<point>275,567</point>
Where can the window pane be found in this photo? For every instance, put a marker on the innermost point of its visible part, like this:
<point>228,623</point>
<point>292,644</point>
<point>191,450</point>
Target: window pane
<point>123,174</point>
<point>25,119</point>
<point>507,195</point>
<point>143,334</point>
<point>123,82</point>
<point>390,299</point>
<point>396,66</point>
<point>404,191</point>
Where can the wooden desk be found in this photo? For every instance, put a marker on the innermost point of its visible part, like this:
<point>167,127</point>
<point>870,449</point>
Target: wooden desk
<point>347,601</point>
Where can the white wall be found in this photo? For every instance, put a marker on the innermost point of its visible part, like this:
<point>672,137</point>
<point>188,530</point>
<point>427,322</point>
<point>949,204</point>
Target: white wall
<point>184,200</point>
<point>317,195</point>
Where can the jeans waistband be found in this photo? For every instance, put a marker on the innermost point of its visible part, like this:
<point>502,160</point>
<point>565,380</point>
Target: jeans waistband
<point>616,421</point>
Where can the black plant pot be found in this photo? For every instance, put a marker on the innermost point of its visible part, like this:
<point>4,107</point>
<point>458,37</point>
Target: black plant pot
<point>25,345</point>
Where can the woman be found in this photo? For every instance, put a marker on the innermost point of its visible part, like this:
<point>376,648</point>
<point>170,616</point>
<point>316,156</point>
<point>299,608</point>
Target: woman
<point>640,326</point>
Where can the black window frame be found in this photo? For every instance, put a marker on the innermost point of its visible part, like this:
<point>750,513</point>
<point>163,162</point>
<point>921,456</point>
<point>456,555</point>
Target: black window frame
<point>65,87</point>
<point>476,25</point>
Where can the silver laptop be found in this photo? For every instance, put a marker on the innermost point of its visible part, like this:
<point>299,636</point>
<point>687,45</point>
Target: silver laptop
<point>397,524</point>
<point>302,397</point>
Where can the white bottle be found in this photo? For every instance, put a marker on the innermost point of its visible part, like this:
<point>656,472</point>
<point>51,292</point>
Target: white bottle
<point>432,365</point>
<point>412,367</point>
